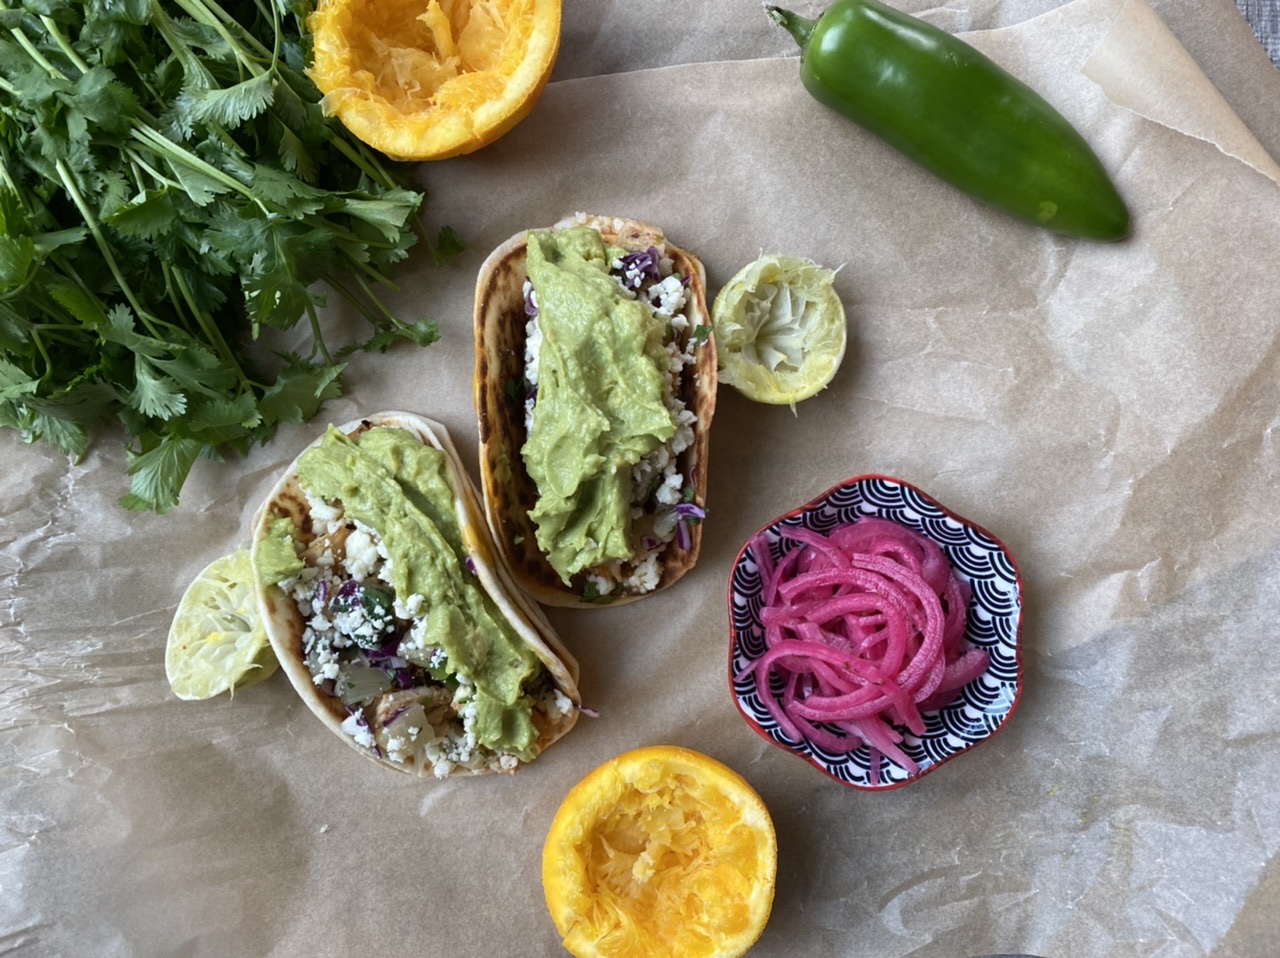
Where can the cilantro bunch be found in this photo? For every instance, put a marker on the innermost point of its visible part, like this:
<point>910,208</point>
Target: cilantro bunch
<point>169,187</point>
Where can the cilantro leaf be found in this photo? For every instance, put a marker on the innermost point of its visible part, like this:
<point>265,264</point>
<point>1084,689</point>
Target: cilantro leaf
<point>150,215</point>
<point>158,474</point>
<point>298,392</point>
<point>68,435</point>
<point>155,394</point>
<point>388,214</point>
<point>423,332</point>
<point>17,258</point>
<point>231,105</point>
<point>14,382</point>
<point>448,244</point>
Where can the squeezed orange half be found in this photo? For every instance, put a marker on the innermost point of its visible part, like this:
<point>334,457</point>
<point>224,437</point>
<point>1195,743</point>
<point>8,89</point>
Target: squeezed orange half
<point>429,80</point>
<point>660,851</point>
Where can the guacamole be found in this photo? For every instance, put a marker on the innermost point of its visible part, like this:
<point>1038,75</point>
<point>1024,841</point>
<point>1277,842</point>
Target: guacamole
<point>601,402</point>
<point>389,482</point>
<point>277,555</point>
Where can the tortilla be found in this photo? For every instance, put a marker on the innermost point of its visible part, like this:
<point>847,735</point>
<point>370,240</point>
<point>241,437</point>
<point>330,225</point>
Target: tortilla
<point>509,493</point>
<point>285,624</point>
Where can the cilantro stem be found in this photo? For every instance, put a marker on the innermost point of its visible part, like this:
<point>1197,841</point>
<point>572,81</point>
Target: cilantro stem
<point>67,50</point>
<point>26,44</point>
<point>378,303</point>
<point>276,33</point>
<point>141,161</point>
<point>183,305</point>
<point>171,151</point>
<point>359,303</point>
<point>44,353</point>
<point>68,183</point>
<point>219,19</point>
<point>363,159</point>
<point>318,334</point>
<point>211,331</point>
<point>164,24</point>
<point>204,15</point>
<point>370,271</point>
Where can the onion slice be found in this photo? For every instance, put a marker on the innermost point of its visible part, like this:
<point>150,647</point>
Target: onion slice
<point>864,632</point>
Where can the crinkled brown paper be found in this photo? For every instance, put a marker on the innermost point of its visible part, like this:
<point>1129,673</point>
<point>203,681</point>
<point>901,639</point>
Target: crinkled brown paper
<point>1109,411</point>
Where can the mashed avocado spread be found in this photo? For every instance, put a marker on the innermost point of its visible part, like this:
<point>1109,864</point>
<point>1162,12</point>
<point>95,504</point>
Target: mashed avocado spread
<point>601,399</point>
<point>401,488</point>
<point>276,557</point>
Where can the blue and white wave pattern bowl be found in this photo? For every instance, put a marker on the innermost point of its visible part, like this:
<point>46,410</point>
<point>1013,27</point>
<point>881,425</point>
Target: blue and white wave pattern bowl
<point>995,624</point>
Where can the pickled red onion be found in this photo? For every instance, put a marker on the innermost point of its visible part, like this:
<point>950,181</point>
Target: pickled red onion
<point>865,629</point>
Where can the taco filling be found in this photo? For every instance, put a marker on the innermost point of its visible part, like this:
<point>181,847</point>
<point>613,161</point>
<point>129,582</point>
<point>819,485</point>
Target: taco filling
<point>398,627</point>
<point>607,346</point>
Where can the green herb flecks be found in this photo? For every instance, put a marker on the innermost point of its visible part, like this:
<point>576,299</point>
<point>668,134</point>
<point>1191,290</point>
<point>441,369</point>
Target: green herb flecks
<point>591,593</point>
<point>169,188</point>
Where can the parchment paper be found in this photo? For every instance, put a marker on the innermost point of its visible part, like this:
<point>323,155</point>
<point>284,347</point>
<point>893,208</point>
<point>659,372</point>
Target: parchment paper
<point>1109,411</point>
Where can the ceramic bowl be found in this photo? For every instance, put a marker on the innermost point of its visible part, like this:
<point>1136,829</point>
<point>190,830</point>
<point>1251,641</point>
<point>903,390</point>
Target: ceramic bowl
<point>994,623</point>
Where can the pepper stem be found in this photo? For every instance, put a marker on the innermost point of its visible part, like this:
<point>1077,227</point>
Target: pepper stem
<point>801,28</point>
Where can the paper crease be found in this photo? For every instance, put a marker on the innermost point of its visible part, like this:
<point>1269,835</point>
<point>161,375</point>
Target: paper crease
<point>1170,89</point>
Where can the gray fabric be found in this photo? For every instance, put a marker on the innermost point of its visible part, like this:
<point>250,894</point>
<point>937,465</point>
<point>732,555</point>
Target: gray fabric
<point>1264,17</point>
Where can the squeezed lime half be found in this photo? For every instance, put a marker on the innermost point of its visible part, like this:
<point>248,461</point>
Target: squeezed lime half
<point>780,329</point>
<point>217,642</point>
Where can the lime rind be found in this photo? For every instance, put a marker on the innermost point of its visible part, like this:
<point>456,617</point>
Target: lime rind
<point>217,642</point>
<point>780,329</point>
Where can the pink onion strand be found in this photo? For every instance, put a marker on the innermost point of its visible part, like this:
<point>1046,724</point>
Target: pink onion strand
<point>865,629</point>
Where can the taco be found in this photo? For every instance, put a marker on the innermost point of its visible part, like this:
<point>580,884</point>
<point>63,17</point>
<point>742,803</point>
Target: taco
<point>377,584</point>
<point>595,387</point>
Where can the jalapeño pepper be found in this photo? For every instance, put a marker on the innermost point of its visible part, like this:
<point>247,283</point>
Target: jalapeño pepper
<point>956,113</point>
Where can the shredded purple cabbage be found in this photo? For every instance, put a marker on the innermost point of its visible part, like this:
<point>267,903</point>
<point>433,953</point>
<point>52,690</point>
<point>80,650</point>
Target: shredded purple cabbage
<point>690,510</point>
<point>530,307</point>
<point>644,262</point>
<point>381,659</point>
<point>684,538</point>
<point>363,723</point>
<point>395,715</point>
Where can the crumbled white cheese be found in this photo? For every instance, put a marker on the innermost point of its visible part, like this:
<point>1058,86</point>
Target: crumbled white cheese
<point>645,576</point>
<point>355,726</point>
<point>361,554</point>
<point>324,514</point>
<point>410,607</point>
<point>667,297</point>
<point>532,349</point>
<point>396,748</point>
<point>560,704</point>
<point>669,493</point>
